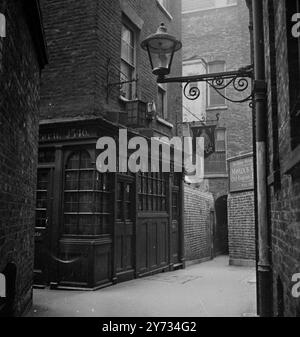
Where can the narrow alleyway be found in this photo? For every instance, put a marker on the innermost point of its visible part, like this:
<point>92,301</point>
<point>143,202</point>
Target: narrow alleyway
<point>209,289</point>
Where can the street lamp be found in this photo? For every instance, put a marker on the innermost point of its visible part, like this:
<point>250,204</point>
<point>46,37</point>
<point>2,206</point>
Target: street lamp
<point>161,48</point>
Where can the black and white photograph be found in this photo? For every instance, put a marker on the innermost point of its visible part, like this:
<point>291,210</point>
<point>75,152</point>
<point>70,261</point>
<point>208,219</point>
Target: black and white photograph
<point>149,162</point>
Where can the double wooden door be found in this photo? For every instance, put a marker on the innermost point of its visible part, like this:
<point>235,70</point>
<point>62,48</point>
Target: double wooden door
<point>42,252</point>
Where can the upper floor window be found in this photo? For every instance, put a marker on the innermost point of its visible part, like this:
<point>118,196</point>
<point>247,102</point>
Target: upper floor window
<point>293,44</point>
<point>196,5</point>
<point>214,98</point>
<point>220,140</point>
<point>128,62</point>
<point>162,101</point>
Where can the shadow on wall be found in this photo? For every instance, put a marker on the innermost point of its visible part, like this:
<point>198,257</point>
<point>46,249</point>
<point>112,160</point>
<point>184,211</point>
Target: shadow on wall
<point>8,290</point>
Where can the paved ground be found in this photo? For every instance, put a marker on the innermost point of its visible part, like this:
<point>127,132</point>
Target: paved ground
<point>209,289</point>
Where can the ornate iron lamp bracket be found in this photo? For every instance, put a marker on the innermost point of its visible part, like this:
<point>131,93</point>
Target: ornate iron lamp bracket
<point>239,81</point>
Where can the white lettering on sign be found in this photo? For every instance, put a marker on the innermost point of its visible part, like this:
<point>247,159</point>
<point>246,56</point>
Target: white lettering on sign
<point>2,286</point>
<point>296,26</point>
<point>296,287</point>
<point>2,25</point>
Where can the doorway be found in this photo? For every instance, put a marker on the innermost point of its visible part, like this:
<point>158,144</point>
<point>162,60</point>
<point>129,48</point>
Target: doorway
<point>44,198</point>
<point>221,246</point>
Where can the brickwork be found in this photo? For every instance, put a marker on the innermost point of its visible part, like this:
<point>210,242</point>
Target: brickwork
<point>81,37</point>
<point>19,97</point>
<point>241,227</point>
<point>199,208</point>
<point>284,182</point>
<point>222,34</point>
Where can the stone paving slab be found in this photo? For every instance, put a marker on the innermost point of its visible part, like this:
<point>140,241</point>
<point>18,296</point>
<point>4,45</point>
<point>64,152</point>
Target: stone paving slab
<point>210,289</point>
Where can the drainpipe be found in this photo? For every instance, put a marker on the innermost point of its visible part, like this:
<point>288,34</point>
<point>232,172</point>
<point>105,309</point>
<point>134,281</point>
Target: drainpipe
<point>264,281</point>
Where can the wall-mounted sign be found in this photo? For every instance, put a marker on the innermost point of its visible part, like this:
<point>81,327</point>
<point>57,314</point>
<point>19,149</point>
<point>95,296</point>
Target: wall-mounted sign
<point>241,173</point>
<point>66,134</point>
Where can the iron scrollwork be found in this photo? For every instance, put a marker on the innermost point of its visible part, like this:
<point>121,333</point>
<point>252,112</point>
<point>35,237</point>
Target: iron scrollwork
<point>240,81</point>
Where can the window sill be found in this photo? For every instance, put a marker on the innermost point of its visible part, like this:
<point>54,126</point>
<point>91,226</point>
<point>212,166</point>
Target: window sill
<point>292,164</point>
<point>213,108</point>
<point>164,10</point>
<point>207,9</point>
<point>164,122</point>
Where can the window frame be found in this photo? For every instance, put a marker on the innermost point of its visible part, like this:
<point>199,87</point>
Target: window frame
<point>225,140</point>
<point>153,192</point>
<point>163,88</point>
<point>133,66</point>
<point>209,88</point>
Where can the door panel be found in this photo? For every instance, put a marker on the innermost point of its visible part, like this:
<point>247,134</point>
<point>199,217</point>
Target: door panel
<point>175,226</point>
<point>42,225</point>
<point>125,228</point>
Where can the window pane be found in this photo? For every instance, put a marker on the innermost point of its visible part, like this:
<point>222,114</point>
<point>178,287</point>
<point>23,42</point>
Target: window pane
<point>71,224</point>
<point>71,182</point>
<point>71,202</point>
<point>41,200</point>
<point>73,162</point>
<point>46,156</point>
<point>85,161</point>
<point>127,48</point>
<point>215,99</point>
<point>42,183</point>
<point>86,202</point>
<point>86,225</point>
<point>126,75</point>
<point>40,218</point>
<point>86,180</point>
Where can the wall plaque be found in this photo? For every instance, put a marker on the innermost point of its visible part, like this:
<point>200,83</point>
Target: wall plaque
<point>241,173</point>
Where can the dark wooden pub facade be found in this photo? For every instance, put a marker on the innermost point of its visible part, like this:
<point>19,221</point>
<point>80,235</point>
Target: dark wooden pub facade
<point>94,229</point>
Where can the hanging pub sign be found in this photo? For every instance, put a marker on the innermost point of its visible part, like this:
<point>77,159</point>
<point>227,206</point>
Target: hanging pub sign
<point>208,133</point>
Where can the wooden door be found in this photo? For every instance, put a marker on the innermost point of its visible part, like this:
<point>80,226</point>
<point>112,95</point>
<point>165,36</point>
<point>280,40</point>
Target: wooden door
<point>124,245</point>
<point>42,226</point>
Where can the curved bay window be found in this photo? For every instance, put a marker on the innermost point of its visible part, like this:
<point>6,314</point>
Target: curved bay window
<point>153,192</point>
<point>86,197</point>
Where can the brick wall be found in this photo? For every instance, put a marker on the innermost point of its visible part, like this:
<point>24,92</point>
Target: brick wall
<point>197,227</point>
<point>241,228</point>
<point>222,34</point>
<point>81,36</point>
<point>19,96</point>
<point>284,181</point>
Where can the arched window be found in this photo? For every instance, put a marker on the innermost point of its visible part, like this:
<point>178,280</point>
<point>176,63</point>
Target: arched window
<point>86,197</point>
